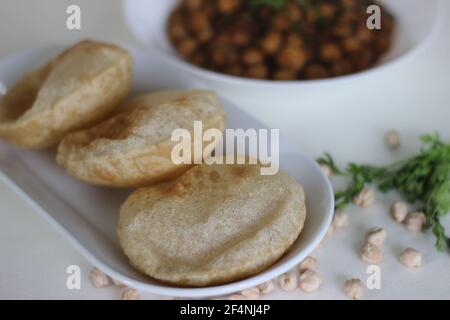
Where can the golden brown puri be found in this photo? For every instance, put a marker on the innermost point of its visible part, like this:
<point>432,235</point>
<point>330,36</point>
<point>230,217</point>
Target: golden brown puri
<point>78,88</point>
<point>133,148</point>
<point>214,224</point>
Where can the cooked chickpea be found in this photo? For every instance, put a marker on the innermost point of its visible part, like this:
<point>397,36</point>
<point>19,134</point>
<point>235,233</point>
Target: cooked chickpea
<point>330,52</point>
<point>271,42</point>
<point>204,35</point>
<point>285,74</point>
<point>241,38</point>
<point>187,46</point>
<point>234,70</point>
<point>193,4</point>
<point>228,6</point>
<point>351,45</point>
<point>316,71</point>
<point>301,40</point>
<point>293,12</point>
<point>177,31</point>
<point>292,58</point>
<point>327,10</point>
<point>198,22</point>
<point>294,40</point>
<point>280,22</point>
<point>252,56</point>
<point>258,71</point>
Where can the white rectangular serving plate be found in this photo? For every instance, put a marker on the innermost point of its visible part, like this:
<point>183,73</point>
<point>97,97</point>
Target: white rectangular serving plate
<point>87,215</point>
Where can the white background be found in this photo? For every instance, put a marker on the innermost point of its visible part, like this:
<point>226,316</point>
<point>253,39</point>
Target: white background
<point>413,98</point>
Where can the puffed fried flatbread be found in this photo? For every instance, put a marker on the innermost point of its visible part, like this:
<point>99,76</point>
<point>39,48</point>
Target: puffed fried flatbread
<point>213,225</point>
<point>133,148</point>
<point>78,88</point>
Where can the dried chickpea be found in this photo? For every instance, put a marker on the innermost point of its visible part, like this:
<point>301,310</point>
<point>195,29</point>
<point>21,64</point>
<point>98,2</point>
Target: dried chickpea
<point>130,294</point>
<point>267,287</point>
<point>415,221</point>
<point>354,289</point>
<point>371,253</point>
<point>411,258</point>
<point>288,281</point>
<point>99,279</point>
<point>376,236</point>
<point>309,263</point>
<point>399,211</point>
<point>309,281</point>
<point>365,198</point>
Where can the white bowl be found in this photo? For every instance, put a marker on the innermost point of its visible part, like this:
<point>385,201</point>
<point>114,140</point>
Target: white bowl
<point>416,22</point>
<point>87,215</point>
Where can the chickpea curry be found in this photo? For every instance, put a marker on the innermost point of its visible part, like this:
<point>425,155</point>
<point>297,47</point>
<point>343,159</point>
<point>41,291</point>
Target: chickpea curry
<point>279,39</point>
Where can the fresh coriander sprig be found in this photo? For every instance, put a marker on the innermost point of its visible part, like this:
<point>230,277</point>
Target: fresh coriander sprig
<point>424,178</point>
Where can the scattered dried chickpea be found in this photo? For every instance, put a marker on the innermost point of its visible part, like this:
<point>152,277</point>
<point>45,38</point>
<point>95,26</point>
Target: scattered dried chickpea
<point>251,293</point>
<point>415,221</point>
<point>130,294</point>
<point>99,279</point>
<point>341,219</point>
<point>365,198</point>
<point>354,289</point>
<point>371,253</point>
<point>376,236</point>
<point>392,139</point>
<point>309,281</point>
<point>237,296</point>
<point>309,263</point>
<point>399,211</point>
<point>411,258</point>
<point>267,287</point>
<point>288,281</point>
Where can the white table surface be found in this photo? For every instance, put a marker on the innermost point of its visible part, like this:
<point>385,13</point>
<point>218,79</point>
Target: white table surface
<point>34,258</point>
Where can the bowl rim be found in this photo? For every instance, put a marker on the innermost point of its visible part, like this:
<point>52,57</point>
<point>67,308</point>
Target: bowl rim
<point>202,73</point>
